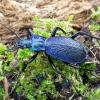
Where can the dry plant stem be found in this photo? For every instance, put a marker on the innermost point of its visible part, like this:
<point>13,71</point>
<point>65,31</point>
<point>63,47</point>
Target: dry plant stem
<point>6,87</point>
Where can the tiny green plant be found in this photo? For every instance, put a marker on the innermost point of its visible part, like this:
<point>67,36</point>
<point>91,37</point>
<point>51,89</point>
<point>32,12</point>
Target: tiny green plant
<point>5,59</point>
<point>44,27</point>
<point>5,68</point>
<point>95,26</point>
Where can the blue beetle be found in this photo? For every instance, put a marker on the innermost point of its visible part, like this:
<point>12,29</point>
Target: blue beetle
<point>63,48</point>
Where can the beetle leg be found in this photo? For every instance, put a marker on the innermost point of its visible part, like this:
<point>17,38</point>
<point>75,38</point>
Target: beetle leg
<point>54,67</point>
<point>79,68</point>
<point>23,69</point>
<point>52,64</point>
<point>25,65</point>
<point>30,33</point>
<point>85,69</point>
<point>62,75</point>
<point>84,33</point>
<point>30,60</point>
<point>55,30</point>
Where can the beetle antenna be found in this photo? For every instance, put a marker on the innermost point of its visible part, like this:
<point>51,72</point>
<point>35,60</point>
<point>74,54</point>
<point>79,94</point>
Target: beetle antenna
<point>13,49</point>
<point>11,31</point>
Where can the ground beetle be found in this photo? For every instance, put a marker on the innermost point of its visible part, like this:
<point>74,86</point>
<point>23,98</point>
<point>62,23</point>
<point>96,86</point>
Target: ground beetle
<point>63,48</point>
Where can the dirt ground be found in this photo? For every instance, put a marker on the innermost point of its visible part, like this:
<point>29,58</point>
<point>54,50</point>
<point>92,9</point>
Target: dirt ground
<point>18,14</point>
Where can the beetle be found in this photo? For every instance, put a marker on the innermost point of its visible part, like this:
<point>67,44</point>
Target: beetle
<point>64,48</point>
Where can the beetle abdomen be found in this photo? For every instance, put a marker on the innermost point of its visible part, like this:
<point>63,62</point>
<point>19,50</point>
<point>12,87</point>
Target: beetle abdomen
<point>65,49</point>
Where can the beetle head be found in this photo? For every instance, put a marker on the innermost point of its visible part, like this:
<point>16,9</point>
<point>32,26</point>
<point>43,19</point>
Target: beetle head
<point>23,43</point>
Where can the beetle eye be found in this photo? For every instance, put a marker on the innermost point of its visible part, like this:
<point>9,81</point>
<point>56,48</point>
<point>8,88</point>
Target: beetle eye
<point>24,46</point>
